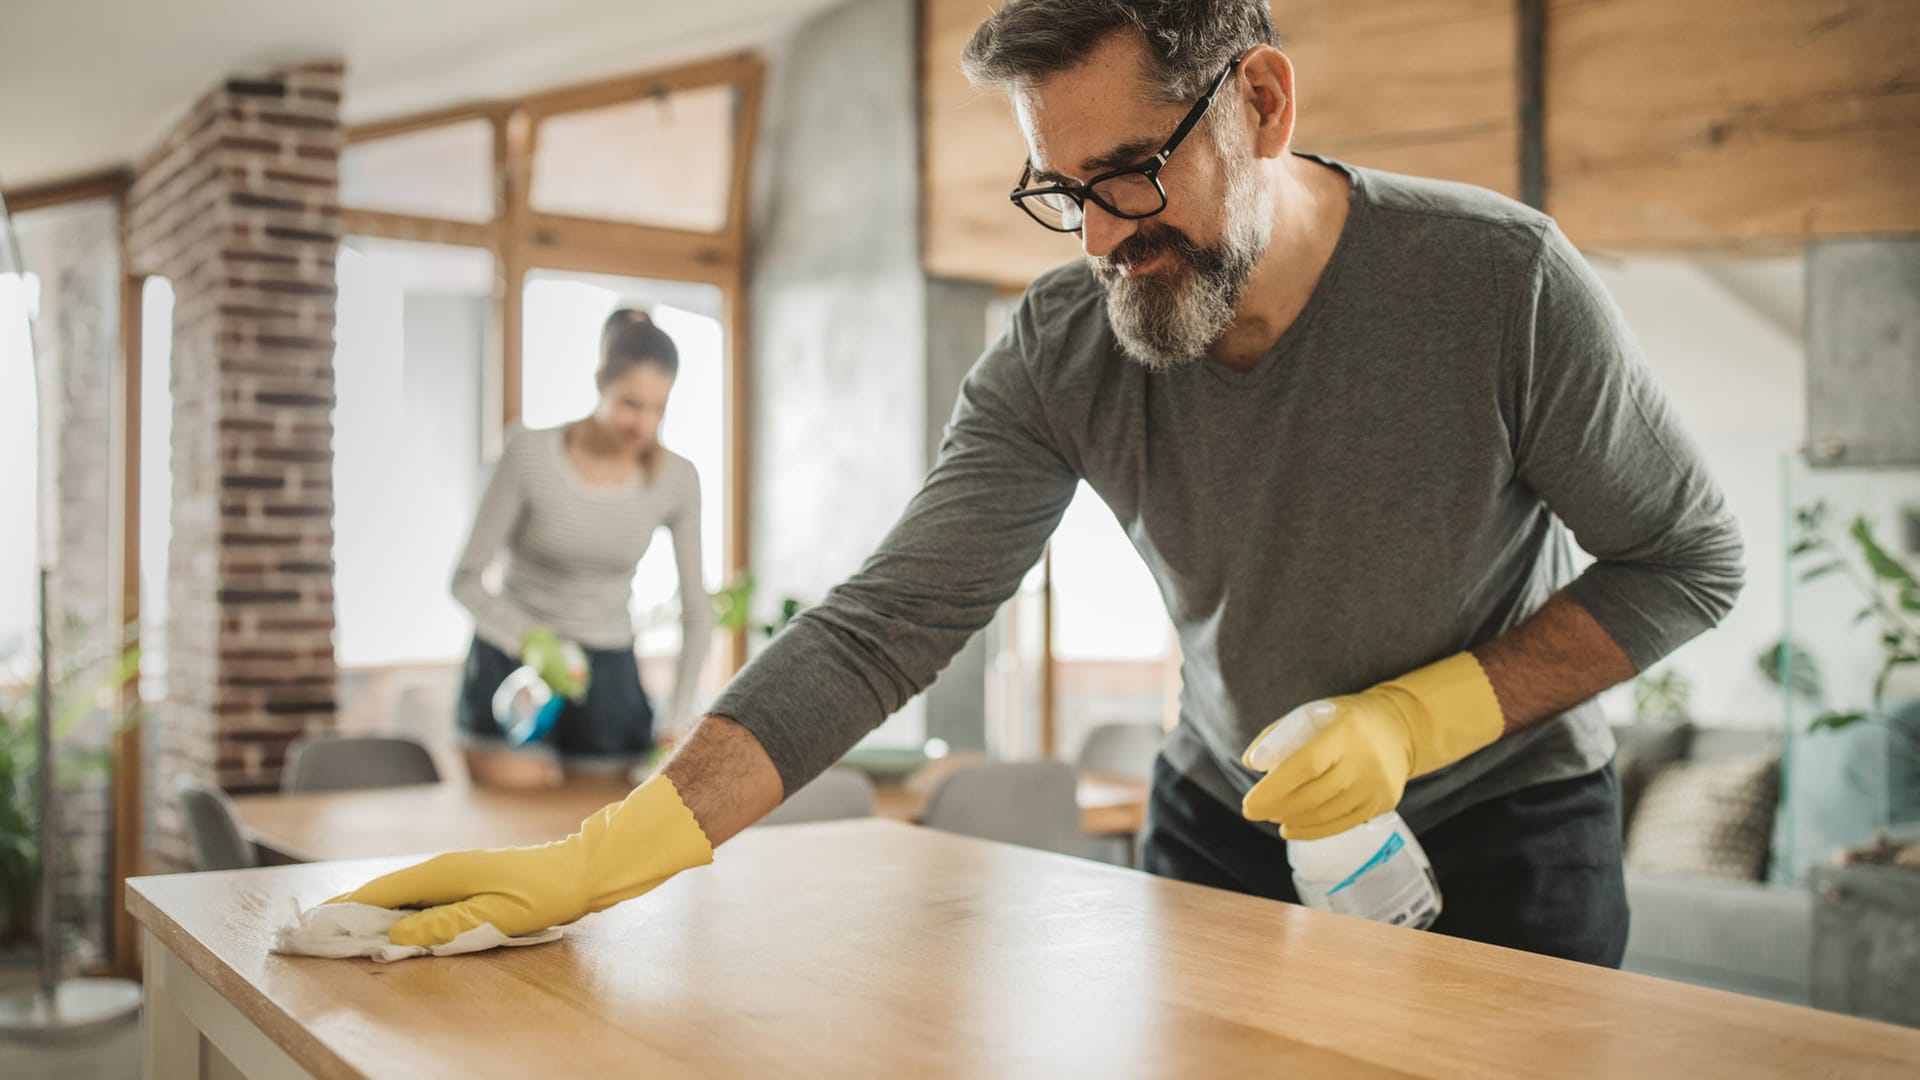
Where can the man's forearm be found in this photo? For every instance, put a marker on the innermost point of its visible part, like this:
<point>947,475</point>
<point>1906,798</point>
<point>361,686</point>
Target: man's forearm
<point>1559,657</point>
<point>725,777</point>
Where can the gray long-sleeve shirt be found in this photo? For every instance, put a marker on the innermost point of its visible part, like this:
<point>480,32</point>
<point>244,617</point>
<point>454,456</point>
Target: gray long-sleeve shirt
<point>1391,485</point>
<point>571,551</point>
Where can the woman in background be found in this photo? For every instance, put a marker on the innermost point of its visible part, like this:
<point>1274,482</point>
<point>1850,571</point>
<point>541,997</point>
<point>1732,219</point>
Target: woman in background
<point>574,508</point>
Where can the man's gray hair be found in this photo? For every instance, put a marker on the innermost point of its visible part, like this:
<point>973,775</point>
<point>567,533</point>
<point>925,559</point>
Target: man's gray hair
<point>1188,41</point>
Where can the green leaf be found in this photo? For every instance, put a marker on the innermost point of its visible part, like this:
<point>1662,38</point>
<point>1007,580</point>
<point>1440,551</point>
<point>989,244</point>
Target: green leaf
<point>1884,566</point>
<point>1894,662</point>
<point>1788,665</point>
<point>1821,571</point>
<point>1806,544</point>
<point>1834,721</point>
<point>733,602</point>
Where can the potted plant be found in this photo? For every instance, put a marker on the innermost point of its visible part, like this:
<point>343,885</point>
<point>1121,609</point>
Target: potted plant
<point>1662,697</point>
<point>733,605</point>
<point>1890,591</point>
<point>77,694</point>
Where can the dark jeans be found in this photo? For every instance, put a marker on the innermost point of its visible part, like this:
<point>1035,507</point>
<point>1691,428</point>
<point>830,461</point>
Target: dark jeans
<point>1538,869</point>
<point>612,729</point>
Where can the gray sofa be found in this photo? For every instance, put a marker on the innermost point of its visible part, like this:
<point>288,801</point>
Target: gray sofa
<point>1750,937</point>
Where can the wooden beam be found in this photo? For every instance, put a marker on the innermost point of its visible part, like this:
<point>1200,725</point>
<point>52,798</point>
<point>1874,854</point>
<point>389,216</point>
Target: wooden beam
<point>1531,51</point>
<point>105,184</point>
<point>123,945</point>
<point>125,480</point>
<point>737,68</point>
<point>739,338</point>
<point>382,224</point>
<point>406,125</point>
<point>1732,125</point>
<point>590,245</point>
<point>738,516</point>
<point>513,148</point>
<point>746,136</point>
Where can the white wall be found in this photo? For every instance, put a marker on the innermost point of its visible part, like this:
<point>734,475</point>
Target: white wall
<point>19,456</point>
<point>1725,341</point>
<point>1733,364</point>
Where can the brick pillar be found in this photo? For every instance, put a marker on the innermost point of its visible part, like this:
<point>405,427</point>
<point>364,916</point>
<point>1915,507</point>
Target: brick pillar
<point>238,205</point>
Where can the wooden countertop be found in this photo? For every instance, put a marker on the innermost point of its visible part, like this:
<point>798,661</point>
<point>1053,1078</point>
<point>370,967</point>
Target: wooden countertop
<point>867,948</point>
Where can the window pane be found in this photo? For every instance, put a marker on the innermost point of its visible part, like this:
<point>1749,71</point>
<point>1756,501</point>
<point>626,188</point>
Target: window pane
<point>19,446</point>
<point>665,161</point>
<point>561,351</point>
<point>1111,634</point>
<point>1015,666</point>
<point>156,481</point>
<point>440,172</point>
<point>406,440</point>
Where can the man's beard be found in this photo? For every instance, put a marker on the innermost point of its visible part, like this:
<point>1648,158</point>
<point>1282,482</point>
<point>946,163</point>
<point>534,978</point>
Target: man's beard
<point>1170,317</point>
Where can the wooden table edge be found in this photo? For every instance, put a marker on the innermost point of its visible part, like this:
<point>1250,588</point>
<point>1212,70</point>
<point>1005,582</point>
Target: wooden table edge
<point>285,1032</point>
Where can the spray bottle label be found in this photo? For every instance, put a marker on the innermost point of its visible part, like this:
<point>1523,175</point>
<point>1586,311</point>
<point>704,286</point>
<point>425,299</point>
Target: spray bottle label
<point>1393,844</point>
<point>1390,887</point>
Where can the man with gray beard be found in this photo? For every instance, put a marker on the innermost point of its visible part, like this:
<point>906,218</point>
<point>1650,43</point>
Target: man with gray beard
<point>1347,418</point>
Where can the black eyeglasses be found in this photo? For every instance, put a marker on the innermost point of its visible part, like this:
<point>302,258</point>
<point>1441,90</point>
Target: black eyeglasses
<point>1133,192</point>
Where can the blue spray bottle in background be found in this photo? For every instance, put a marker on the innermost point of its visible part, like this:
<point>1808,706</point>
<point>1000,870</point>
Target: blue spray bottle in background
<point>530,699</point>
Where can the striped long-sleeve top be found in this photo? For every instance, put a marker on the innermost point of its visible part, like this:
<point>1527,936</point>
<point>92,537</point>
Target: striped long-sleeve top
<point>571,550</point>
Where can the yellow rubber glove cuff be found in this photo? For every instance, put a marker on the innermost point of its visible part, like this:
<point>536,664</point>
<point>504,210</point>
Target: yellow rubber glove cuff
<point>1450,708</point>
<point>623,850</point>
<point>1358,766</point>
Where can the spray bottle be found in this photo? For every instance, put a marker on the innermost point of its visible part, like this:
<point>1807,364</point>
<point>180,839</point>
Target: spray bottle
<point>525,706</point>
<point>1376,870</point>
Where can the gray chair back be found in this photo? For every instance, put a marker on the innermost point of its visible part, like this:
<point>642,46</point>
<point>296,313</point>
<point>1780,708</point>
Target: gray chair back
<point>1030,803</point>
<point>338,763</point>
<point>1122,749</point>
<point>212,829</point>
<point>840,792</point>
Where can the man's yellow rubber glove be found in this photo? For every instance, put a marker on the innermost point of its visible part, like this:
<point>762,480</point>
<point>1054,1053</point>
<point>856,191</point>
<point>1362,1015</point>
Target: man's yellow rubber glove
<point>561,664</point>
<point>1358,765</point>
<point>623,850</point>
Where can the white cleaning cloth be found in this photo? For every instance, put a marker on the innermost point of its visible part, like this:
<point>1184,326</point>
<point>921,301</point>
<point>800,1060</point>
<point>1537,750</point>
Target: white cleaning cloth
<point>338,931</point>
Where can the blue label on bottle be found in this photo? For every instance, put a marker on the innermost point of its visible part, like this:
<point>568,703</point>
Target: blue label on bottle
<point>1393,844</point>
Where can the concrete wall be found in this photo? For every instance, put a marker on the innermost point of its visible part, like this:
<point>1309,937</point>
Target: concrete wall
<point>839,306</point>
<point>956,335</point>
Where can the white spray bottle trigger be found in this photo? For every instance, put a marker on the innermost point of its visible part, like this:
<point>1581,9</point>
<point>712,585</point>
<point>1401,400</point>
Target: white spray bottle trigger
<point>1295,730</point>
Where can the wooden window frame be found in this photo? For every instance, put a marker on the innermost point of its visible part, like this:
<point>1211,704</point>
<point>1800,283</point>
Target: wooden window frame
<point>522,239</point>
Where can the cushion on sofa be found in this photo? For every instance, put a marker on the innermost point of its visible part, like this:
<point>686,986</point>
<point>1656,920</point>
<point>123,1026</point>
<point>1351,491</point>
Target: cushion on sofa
<point>1710,818</point>
<point>1640,752</point>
